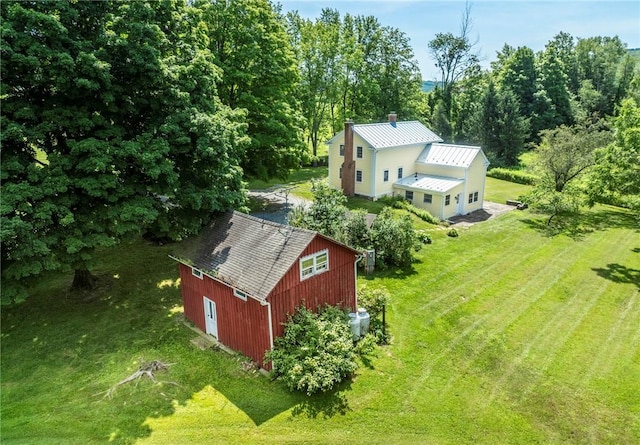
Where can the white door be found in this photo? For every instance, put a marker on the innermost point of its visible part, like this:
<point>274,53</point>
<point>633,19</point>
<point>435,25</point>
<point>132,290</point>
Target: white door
<point>210,318</point>
<point>460,200</point>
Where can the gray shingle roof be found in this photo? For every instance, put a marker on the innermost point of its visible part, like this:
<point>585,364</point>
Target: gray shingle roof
<point>398,134</point>
<point>248,253</point>
<point>449,154</point>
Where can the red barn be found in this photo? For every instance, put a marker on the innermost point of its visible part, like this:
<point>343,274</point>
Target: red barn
<point>242,276</point>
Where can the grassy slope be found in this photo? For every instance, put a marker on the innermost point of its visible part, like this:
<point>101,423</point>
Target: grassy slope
<point>503,335</point>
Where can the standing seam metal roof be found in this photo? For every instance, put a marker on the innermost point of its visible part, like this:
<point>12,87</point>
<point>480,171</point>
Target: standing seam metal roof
<point>398,134</point>
<point>449,154</point>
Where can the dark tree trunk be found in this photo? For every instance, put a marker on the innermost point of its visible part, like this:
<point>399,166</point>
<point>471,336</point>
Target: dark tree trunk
<point>83,280</point>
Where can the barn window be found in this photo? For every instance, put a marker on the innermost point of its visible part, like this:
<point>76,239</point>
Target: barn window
<point>311,265</point>
<point>196,272</point>
<point>241,295</point>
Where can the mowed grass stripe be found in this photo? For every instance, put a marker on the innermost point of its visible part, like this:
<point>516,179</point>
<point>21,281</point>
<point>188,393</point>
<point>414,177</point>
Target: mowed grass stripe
<point>509,309</point>
<point>540,329</point>
<point>501,318</point>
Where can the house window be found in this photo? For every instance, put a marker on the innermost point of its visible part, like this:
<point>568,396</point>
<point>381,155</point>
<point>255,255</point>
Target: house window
<point>196,272</point>
<point>447,200</point>
<point>386,176</point>
<point>340,173</point>
<point>241,295</point>
<point>427,199</point>
<point>359,152</point>
<point>358,175</point>
<point>470,198</point>
<point>315,264</point>
<point>400,173</point>
<point>341,150</point>
<point>408,195</point>
<point>475,197</point>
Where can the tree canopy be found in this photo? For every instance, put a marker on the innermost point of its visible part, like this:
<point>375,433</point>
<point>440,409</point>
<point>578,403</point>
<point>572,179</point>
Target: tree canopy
<point>110,125</point>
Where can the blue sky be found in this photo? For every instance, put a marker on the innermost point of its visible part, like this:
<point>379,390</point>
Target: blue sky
<point>518,23</point>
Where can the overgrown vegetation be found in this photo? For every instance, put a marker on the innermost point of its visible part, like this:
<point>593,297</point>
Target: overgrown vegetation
<point>316,352</point>
<point>511,175</point>
<point>375,300</point>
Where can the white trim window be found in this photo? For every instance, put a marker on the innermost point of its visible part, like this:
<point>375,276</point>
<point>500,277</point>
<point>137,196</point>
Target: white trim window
<point>341,150</point>
<point>427,198</point>
<point>447,200</point>
<point>314,264</point>
<point>359,153</point>
<point>473,197</point>
<point>241,295</point>
<point>399,172</point>
<point>196,272</point>
<point>408,195</point>
<point>358,175</point>
<point>385,174</point>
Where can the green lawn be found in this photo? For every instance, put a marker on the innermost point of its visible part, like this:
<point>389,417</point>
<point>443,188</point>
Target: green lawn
<point>502,335</point>
<point>497,190</point>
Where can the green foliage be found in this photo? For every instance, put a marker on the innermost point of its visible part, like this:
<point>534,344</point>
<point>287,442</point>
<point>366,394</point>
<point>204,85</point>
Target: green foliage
<point>259,75</point>
<point>393,239</point>
<point>373,300</point>
<point>325,215</point>
<point>420,213</point>
<point>355,232</point>
<point>424,237</point>
<point>453,233</point>
<point>110,126</point>
<point>517,176</point>
<point>316,351</point>
<point>616,175</point>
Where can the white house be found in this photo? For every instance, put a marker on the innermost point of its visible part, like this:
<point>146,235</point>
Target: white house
<point>408,159</point>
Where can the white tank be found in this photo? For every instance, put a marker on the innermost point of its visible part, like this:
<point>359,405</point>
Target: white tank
<point>364,318</point>
<point>354,325</point>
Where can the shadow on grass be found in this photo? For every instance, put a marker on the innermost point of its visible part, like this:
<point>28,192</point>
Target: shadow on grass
<point>577,226</point>
<point>619,274</point>
<point>325,405</point>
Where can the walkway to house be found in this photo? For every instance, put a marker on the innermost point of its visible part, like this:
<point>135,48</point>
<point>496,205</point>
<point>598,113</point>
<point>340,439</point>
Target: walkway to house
<point>488,211</point>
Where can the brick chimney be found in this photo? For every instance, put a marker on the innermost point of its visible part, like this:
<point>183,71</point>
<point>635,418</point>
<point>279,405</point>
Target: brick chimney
<point>349,165</point>
<point>393,118</point>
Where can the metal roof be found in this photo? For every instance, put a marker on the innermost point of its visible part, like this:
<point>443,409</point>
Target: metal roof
<point>449,154</point>
<point>248,253</point>
<point>396,134</point>
<point>431,183</point>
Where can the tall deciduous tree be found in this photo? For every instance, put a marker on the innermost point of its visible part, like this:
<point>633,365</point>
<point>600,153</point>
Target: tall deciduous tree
<point>616,175</point>
<point>564,155</point>
<point>259,74</point>
<point>104,110</point>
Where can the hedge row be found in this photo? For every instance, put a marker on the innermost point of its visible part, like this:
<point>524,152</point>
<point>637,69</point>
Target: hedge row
<point>516,176</point>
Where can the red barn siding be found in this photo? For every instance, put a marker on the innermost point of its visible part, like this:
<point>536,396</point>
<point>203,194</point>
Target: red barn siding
<point>335,286</point>
<point>242,325</point>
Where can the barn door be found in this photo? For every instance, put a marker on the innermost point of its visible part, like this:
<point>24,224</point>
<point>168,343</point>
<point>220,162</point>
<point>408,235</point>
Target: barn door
<point>210,317</point>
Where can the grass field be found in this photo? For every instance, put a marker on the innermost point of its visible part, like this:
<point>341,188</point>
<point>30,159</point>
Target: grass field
<point>505,334</point>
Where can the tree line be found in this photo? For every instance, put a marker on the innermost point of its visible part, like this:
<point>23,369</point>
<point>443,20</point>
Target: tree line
<point>121,118</point>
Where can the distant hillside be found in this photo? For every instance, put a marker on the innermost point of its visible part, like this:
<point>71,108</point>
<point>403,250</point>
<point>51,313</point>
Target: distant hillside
<point>429,85</point>
<point>635,52</point>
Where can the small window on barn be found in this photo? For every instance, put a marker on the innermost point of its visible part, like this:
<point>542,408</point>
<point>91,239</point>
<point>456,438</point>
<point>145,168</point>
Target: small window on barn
<point>341,150</point>
<point>196,272</point>
<point>241,295</point>
<point>447,200</point>
<point>428,198</point>
<point>315,264</point>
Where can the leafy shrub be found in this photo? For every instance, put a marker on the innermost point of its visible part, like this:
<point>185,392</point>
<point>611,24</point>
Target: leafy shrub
<point>374,301</point>
<point>355,231</point>
<point>453,233</point>
<point>316,351</point>
<point>393,239</point>
<point>517,176</point>
<point>424,237</point>
<point>397,202</point>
